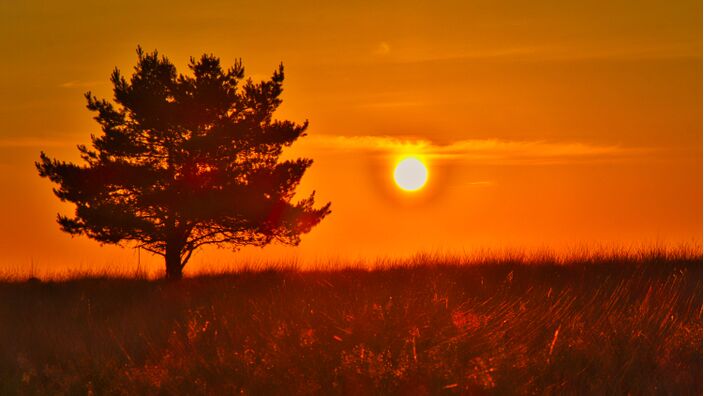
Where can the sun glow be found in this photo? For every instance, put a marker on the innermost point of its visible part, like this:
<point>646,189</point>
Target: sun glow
<point>410,174</point>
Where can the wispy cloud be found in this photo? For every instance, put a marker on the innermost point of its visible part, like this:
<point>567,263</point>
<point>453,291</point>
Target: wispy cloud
<point>488,151</point>
<point>392,104</point>
<point>539,53</point>
<point>29,142</point>
<point>79,84</point>
<point>383,48</point>
<point>479,150</point>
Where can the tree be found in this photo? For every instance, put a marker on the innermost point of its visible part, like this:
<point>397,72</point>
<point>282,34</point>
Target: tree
<point>185,161</point>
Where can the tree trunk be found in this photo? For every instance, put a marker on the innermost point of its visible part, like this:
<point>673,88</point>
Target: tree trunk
<point>173,262</point>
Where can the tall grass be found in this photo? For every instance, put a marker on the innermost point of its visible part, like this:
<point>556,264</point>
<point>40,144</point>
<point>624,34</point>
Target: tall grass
<point>601,323</point>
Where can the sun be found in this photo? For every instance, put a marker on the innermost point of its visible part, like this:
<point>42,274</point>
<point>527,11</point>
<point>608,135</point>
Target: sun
<point>411,174</point>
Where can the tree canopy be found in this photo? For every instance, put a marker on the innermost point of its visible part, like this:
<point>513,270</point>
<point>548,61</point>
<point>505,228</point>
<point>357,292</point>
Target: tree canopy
<point>184,161</point>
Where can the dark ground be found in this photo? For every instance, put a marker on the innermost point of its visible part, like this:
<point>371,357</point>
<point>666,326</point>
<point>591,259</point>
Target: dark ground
<point>610,325</point>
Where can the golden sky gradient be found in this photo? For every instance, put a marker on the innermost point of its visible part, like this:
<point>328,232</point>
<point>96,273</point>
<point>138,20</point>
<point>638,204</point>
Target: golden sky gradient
<point>544,124</point>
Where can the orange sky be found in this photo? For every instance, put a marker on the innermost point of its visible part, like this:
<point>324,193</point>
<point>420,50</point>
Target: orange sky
<point>544,124</point>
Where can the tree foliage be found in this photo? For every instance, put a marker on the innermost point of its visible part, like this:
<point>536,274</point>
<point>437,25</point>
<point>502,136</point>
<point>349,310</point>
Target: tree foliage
<point>185,161</point>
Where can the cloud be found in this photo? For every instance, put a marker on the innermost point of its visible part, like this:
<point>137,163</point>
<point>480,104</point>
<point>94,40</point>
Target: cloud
<point>383,48</point>
<point>19,142</point>
<point>79,84</point>
<point>487,151</point>
<point>491,151</point>
<point>552,53</point>
<point>392,104</point>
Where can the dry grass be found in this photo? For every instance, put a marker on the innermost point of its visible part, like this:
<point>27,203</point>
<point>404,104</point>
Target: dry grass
<point>617,323</point>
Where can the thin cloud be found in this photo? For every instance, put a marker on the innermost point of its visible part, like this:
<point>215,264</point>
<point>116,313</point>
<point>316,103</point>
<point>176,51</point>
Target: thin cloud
<point>79,84</point>
<point>383,48</point>
<point>392,104</point>
<point>10,143</point>
<point>489,151</point>
<point>558,53</point>
<point>481,183</point>
<point>477,150</point>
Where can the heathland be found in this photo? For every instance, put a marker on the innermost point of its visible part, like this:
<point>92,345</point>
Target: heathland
<point>619,323</point>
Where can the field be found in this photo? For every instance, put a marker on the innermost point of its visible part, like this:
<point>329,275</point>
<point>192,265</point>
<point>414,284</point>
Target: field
<point>622,323</point>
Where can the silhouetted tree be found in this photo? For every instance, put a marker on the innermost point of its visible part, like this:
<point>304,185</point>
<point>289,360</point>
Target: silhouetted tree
<point>185,161</point>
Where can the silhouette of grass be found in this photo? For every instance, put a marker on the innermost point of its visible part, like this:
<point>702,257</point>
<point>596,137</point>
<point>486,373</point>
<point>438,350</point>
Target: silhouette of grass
<point>606,323</point>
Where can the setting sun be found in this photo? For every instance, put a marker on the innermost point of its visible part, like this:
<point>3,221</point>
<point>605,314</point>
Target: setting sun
<point>410,174</point>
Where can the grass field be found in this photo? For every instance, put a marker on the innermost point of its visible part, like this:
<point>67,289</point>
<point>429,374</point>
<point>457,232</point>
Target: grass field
<point>589,324</point>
